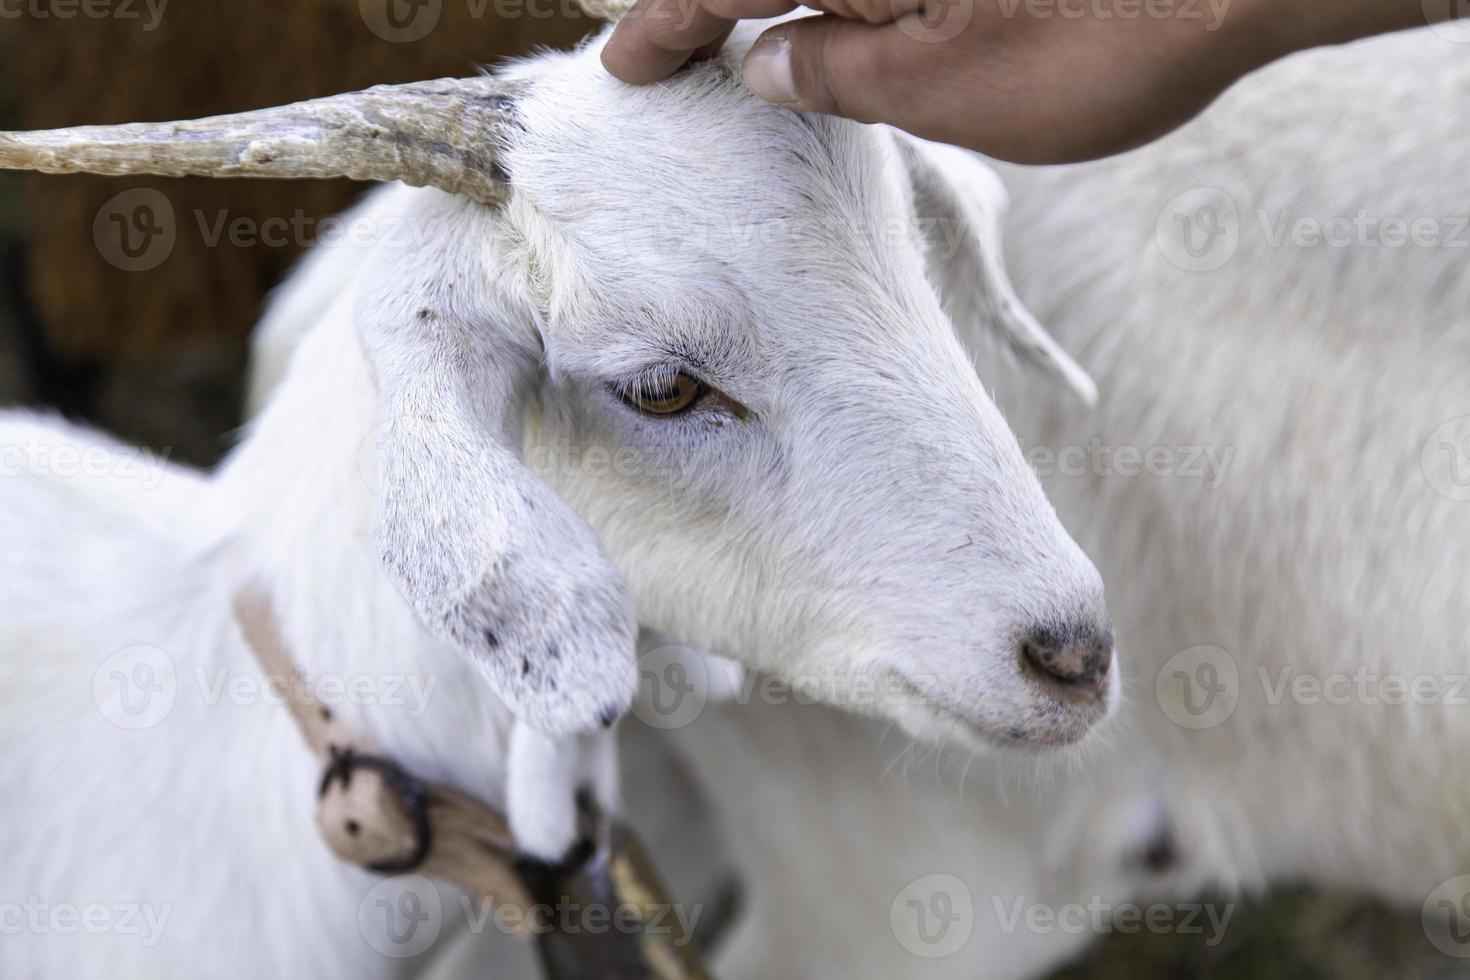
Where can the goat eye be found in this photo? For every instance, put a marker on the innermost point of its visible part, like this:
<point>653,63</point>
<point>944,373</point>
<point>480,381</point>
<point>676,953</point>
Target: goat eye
<point>666,397</point>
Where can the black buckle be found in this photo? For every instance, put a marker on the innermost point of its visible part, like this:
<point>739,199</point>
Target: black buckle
<point>412,794</point>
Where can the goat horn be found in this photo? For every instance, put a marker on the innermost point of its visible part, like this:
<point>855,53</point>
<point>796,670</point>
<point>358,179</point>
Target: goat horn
<point>443,134</point>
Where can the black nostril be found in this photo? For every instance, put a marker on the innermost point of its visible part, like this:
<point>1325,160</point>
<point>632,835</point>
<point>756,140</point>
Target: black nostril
<point>1077,659</point>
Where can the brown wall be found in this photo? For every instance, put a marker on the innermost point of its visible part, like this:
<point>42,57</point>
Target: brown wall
<point>138,349</point>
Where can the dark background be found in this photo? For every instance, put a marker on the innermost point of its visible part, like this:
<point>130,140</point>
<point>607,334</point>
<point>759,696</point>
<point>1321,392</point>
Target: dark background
<point>158,356</point>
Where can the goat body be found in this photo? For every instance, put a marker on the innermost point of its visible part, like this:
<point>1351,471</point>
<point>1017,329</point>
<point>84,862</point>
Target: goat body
<point>1322,548</point>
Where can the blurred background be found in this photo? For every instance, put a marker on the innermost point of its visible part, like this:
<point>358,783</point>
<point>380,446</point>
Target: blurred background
<point>150,343</point>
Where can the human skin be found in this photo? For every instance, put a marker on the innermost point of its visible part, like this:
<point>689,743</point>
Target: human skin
<point>1031,81</point>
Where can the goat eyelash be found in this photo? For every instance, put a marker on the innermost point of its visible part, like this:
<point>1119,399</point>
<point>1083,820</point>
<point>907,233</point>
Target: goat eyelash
<point>666,391</point>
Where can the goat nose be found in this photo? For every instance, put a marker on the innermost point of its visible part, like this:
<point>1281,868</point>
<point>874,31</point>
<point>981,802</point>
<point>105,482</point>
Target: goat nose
<point>1073,662</point>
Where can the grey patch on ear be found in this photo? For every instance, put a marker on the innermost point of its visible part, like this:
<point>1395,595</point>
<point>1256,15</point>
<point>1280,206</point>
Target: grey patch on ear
<point>488,555</point>
<point>959,202</point>
<point>528,592</point>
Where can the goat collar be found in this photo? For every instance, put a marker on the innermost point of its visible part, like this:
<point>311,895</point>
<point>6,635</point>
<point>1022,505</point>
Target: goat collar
<point>375,814</point>
<point>371,811</point>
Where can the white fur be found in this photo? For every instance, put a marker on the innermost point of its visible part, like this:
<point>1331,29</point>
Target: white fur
<point>873,519</point>
<point>1323,550</point>
<point>423,484</point>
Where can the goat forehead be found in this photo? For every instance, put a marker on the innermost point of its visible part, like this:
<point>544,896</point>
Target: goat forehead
<point>696,156</point>
<point>691,216</point>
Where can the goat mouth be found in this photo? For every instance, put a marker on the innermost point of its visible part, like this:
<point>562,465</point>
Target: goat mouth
<point>936,711</point>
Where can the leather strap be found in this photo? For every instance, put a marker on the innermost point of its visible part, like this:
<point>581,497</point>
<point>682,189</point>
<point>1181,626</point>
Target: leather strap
<point>374,814</point>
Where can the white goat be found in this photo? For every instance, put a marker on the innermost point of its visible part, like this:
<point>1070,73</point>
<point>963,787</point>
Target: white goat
<point>730,298</point>
<point>1322,540</point>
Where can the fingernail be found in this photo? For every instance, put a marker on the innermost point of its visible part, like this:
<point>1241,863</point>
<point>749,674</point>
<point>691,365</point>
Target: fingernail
<point>767,70</point>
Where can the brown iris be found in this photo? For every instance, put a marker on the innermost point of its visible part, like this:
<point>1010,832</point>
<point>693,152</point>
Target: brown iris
<point>668,397</point>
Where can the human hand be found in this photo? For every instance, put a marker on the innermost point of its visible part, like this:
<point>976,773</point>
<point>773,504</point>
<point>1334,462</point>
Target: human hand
<point>1032,81</point>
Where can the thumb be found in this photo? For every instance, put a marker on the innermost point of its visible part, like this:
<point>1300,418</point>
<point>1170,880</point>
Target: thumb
<point>830,64</point>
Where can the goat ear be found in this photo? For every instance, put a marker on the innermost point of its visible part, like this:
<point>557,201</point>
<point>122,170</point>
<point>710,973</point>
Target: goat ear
<point>959,202</point>
<point>491,558</point>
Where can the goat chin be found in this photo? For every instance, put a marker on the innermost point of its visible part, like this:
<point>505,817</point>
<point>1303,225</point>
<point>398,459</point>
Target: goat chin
<point>1311,543</point>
